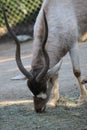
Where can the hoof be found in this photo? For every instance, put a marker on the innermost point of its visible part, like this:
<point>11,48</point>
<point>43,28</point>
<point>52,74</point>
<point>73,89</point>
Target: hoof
<point>54,103</point>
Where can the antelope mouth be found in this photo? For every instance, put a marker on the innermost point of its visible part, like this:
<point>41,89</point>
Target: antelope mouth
<point>39,104</point>
<point>40,110</point>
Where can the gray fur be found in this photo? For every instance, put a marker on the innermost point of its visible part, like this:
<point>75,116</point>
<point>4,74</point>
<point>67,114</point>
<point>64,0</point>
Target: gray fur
<point>63,31</point>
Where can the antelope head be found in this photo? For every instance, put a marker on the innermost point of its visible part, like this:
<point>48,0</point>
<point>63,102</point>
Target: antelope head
<point>39,81</point>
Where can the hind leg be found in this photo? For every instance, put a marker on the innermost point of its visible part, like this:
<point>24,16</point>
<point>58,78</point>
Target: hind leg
<point>76,70</point>
<point>83,38</point>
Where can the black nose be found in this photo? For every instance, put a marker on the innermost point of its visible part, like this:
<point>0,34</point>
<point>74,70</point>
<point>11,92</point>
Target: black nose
<point>40,110</point>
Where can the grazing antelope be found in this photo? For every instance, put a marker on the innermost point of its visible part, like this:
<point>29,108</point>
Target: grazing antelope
<point>55,34</point>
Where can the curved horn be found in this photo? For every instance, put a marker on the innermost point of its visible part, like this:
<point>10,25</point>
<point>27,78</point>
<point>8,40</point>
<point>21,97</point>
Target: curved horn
<point>45,54</point>
<point>54,70</point>
<point>18,57</point>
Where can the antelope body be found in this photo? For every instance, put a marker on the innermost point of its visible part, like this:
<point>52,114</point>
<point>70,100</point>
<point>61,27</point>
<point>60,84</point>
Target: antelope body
<point>55,34</point>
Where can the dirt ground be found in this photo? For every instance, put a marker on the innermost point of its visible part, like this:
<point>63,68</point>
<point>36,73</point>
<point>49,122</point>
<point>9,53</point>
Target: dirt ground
<point>16,105</point>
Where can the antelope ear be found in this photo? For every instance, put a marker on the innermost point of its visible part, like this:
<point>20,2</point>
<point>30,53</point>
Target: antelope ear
<point>19,77</point>
<point>53,71</point>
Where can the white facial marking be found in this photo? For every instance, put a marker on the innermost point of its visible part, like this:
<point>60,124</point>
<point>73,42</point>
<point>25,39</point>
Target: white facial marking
<point>42,95</point>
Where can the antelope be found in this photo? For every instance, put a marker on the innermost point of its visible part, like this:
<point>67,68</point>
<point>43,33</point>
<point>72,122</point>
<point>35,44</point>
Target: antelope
<point>55,34</point>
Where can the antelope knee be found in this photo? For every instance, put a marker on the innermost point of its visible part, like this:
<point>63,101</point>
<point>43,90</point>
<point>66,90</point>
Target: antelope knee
<point>77,73</point>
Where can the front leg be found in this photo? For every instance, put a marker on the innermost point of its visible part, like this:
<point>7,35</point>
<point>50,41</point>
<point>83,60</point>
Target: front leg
<point>55,83</point>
